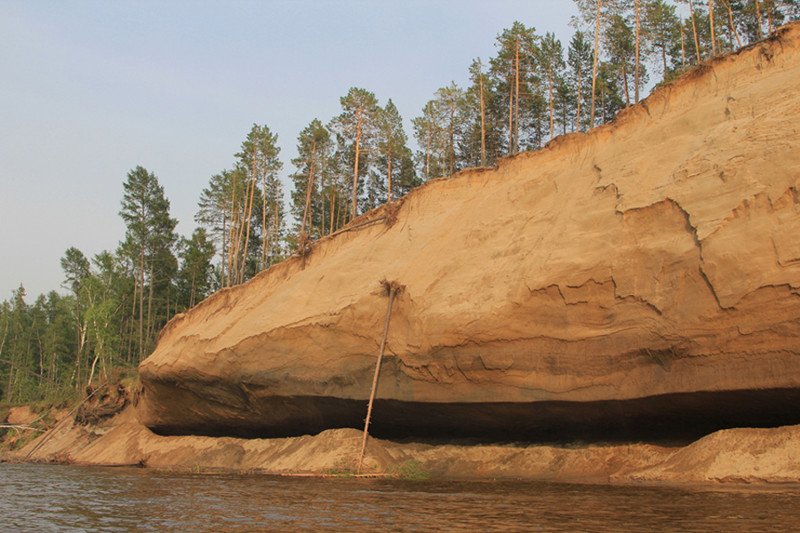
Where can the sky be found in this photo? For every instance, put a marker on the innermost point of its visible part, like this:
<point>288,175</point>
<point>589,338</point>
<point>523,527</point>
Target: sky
<point>91,89</point>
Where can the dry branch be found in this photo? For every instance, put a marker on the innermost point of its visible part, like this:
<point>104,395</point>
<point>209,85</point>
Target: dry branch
<point>49,434</point>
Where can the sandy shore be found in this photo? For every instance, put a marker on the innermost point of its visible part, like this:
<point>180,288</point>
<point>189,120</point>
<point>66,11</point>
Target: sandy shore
<point>742,455</point>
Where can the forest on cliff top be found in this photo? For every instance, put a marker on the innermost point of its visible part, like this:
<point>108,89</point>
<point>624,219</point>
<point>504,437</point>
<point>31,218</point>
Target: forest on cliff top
<point>533,89</point>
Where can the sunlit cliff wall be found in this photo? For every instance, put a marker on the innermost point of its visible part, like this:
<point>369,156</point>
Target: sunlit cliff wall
<point>647,269</point>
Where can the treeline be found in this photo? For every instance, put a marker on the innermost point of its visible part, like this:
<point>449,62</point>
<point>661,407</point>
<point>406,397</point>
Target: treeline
<point>533,89</point>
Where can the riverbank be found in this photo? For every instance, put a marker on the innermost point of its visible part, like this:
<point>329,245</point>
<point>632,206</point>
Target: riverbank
<point>743,455</point>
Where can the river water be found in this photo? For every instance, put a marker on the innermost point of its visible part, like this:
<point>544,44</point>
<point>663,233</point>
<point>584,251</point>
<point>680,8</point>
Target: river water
<point>71,498</point>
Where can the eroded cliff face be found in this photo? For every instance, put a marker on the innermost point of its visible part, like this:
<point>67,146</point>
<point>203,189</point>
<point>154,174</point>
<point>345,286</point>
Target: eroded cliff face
<point>642,275</point>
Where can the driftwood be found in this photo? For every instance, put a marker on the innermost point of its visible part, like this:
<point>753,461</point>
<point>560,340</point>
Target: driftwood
<point>393,288</point>
<point>20,426</point>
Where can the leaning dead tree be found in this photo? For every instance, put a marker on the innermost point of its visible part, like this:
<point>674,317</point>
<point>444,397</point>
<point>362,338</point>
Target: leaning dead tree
<point>392,289</point>
<point>61,423</point>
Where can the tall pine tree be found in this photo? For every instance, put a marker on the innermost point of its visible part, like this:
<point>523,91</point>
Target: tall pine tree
<point>149,240</point>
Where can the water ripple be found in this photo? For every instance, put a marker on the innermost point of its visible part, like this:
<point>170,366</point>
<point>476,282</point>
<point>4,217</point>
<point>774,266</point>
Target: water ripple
<point>69,498</point>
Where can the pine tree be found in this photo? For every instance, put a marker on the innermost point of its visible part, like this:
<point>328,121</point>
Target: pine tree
<point>579,60</point>
<point>392,151</point>
<point>439,130</point>
<point>638,34</point>
<point>259,160</point>
<point>513,73</point>
<point>483,120</point>
<point>564,105</point>
<point>591,11</point>
<point>551,60</point>
<point>356,127</point>
<point>150,236</point>
<point>314,148</point>
<point>726,12</point>
<point>598,14</point>
<point>662,29</point>
<point>194,277</point>
<point>620,45</point>
<point>427,133</point>
<point>447,104</point>
<point>216,209</point>
<point>609,94</point>
<point>692,23</point>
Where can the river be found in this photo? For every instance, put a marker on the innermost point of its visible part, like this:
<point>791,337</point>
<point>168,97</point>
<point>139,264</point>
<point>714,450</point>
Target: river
<point>72,498</point>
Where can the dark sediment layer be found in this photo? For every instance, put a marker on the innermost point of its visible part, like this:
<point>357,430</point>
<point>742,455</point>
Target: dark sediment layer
<point>668,418</point>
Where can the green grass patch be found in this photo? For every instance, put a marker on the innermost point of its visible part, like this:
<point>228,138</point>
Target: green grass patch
<point>410,471</point>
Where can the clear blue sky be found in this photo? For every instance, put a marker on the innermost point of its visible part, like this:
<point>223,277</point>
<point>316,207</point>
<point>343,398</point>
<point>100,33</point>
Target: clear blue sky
<point>90,89</point>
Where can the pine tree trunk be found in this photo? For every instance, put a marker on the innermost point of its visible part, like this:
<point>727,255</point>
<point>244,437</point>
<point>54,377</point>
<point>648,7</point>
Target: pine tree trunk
<point>511,119</point>
<point>428,144</point>
<point>550,84</point>
<point>191,290</point>
<point>733,27</point>
<point>249,217</point>
<point>354,206</point>
<point>274,245</point>
<point>150,304</point>
<point>711,21</point>
<point>683,48</point>
<point>758,20</point>
<point>264,221</point>
<point>451,152</point>
<point>625,83</point>
<point>389,176</point>
<point>594,68</point>
<point>636,76</point>
<point>321,201</point>
<point>233,218</point>
<point>309,185</point>
<point>580,97</point>
<point>603,104</point>
<point>694,31</point>
<point>483,115</point>
<point>516,96</point>
<point>133,320</point>
<point>333,208</point>
<point>769,17</point>
<point>224,246</point>
<point>141,305</point>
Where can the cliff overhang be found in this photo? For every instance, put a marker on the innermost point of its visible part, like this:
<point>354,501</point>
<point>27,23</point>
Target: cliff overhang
<point>642,277</point>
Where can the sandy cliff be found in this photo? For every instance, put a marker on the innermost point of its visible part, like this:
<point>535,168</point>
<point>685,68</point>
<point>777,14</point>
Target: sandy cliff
<point>641,277</point>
